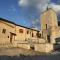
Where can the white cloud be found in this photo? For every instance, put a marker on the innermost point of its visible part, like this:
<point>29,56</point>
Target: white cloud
<point>42,7</point>
<point>56,7</point>
<point>39,4</point>
<point>23,2</point>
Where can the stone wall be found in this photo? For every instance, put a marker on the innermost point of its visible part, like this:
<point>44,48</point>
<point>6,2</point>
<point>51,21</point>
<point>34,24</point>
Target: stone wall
<point>37,47</point>
<point>44,47</point>
<point>5,37</point>
<point>23,45</point>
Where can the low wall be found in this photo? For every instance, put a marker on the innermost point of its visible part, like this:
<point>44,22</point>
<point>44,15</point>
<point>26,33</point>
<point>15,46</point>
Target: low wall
<point>49,47</point>
<point>38,45</point>
<point>44,47</point>
<point>41,40</point>
<point>6,45</point>
<point>23,45</point>
<point>41,47</point>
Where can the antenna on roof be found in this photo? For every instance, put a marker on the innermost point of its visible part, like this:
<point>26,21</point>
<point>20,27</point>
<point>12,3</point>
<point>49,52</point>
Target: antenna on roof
<point>48,6</point>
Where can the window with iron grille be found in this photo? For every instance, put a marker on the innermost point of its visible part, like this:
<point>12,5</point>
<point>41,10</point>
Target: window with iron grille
<point>48,37</point>
<point>46,26</point>
<point>38,34</point>
<point>32,35</point>
<point>27,31</point>
<point>20,30</point>
<point>4,31</point>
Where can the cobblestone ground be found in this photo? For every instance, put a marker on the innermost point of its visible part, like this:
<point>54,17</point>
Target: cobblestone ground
<point>22,54</point>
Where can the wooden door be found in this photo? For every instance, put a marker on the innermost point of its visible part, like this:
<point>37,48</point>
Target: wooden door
<point>11,38</point>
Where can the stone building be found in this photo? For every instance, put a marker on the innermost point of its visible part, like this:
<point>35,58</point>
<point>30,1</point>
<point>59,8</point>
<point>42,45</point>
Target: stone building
<point>45,40</point>
<point>50,28</point>
<point>7,32</point>
<point>12,34</point>
<point>49,25</point>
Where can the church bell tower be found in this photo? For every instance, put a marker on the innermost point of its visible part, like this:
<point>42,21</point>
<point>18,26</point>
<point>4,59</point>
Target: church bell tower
<point>49,25</point>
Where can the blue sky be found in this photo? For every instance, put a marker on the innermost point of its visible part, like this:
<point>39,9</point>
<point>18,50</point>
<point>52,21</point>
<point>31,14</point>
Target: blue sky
<point>26,12</point>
